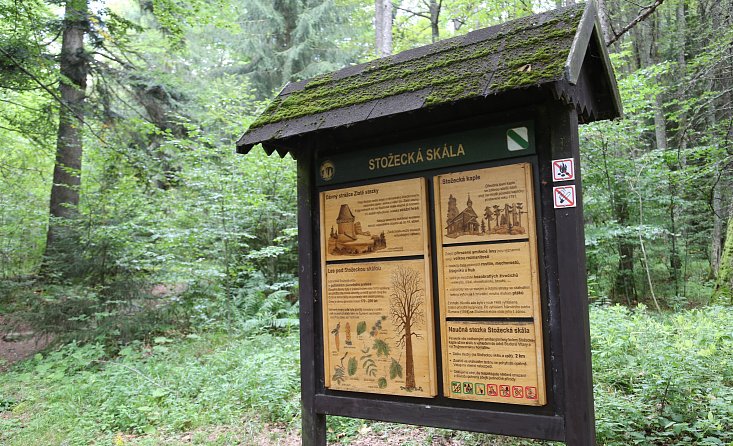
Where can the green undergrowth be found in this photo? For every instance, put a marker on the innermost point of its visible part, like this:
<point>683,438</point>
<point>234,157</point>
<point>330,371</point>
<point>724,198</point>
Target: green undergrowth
<point>76,396</point>
<point>663,380</point>
<point>659,380</point>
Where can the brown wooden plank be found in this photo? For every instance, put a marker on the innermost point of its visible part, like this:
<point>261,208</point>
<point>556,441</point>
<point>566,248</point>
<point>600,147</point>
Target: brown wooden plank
<point>573,293</point>
<point>374,221</point>
<point>476,420</point>
<point>313,423</point>
<point>379,327</point>
<point>368,346</point>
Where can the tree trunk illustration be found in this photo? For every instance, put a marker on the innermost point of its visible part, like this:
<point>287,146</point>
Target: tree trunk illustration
<point>409,361</point>
<point>406,308</point>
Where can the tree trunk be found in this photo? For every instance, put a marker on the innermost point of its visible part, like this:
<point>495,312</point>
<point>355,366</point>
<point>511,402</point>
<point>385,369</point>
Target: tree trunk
<point>624,289</point>
<point>606,28</point>
<point>383,27</point>
<point>724,283</point>
<point>675,262</point>
<point>435,19</point>
<point>718,236</point>
<point>409,360</point>
<point>648,56</point>
<point>67,169</point>
<point>289,12</point>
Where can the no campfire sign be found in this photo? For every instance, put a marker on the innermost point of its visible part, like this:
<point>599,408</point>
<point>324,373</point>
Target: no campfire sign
<point>563,170</point>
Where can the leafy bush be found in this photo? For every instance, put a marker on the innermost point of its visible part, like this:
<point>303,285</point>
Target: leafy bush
<point>663,379</point>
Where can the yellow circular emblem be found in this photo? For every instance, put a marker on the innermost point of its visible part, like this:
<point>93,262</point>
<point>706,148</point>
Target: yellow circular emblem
<point>327,170</point>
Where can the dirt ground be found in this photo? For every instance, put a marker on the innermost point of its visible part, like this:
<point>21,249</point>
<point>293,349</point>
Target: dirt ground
<point>18,342</point>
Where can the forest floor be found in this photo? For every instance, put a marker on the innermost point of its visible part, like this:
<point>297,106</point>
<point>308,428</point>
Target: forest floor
<point>18,342</point>
<point>378,434</point>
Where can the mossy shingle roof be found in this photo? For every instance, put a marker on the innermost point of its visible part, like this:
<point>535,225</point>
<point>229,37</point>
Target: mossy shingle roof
<point>530,51</point>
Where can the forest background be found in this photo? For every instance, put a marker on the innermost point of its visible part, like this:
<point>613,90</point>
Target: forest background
<point>129,228</point>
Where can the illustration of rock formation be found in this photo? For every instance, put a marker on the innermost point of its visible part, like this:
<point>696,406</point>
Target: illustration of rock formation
<point>348,238</point>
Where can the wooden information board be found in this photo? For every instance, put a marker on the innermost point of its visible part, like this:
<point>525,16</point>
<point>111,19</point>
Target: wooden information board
<point>378,308</point>
<point>491,323</point>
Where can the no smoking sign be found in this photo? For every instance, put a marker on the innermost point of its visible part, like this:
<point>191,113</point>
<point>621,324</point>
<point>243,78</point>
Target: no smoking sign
<point>564,196</point>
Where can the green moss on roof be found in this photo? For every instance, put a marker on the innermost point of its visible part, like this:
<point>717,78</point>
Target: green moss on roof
<point>515,55</point>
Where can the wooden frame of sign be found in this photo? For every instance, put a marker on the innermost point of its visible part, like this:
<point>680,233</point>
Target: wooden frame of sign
<point>346,272</point>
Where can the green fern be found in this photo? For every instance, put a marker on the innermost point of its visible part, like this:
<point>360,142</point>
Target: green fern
<point>270,312</point>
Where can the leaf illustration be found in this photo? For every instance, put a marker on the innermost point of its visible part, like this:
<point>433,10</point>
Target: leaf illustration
<point>339,376</point>
<point>381,347</point>
<point>382,382</point>
<point>369,366</point>
<point>375,328</point>
<point>361,327</point>
<point>353,365</point>
<point>395,369</point>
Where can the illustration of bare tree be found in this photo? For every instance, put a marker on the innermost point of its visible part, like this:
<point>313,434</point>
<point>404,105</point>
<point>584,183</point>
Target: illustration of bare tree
<point>406,308</point>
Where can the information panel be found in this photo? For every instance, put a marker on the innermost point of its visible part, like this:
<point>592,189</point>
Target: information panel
<point>379,220</point>
<point>495,280</point>
<point>494,361</point>
<point>378,311</point>
<point>491,323</point>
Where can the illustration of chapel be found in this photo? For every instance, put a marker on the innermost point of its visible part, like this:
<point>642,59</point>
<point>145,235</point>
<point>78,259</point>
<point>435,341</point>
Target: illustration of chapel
<point>463,223</point>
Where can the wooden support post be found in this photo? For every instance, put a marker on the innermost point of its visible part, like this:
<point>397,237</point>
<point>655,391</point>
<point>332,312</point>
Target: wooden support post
<point>572,289</point>
<point>314,424</point>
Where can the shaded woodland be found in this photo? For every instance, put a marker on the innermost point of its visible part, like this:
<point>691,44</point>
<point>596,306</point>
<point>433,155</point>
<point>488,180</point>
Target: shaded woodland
<point>124,116</point>
<point>126,216</point>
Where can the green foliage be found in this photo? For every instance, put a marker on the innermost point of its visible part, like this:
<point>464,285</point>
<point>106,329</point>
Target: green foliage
<point>382,382</point>
<point>275,311</point>
<point>77,395</point>
<point>663,380</point>
<point>287,41</point>
<point>659,379</point>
